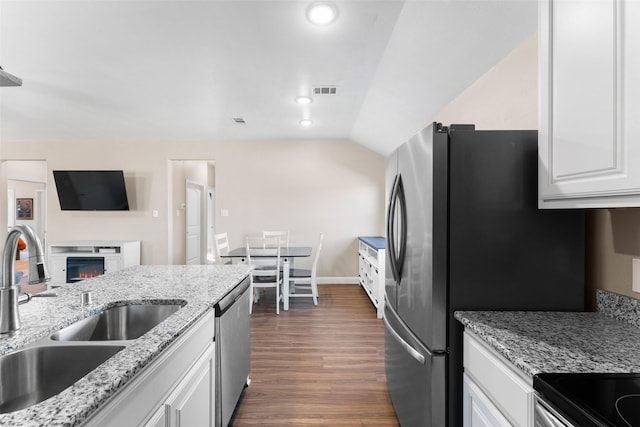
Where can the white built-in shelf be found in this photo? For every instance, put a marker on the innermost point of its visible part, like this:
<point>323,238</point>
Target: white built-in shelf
<point>371,260</point>
<point>117,254</point>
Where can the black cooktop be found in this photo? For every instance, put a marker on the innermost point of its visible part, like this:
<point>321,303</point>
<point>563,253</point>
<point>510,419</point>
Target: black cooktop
<point>593,399</point>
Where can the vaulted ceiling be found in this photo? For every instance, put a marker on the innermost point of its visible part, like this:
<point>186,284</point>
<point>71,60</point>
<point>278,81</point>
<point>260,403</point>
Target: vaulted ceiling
<point>180,70</point>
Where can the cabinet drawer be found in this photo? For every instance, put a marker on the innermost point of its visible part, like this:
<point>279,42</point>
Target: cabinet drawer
<point>505,387</point>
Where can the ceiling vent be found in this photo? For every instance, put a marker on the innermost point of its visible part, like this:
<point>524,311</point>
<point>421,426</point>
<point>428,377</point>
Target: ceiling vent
<point>239,120</point>
<point>325,90</point>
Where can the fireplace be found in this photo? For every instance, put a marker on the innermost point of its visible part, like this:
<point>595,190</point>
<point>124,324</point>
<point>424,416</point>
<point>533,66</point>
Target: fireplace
<point>80,268</point>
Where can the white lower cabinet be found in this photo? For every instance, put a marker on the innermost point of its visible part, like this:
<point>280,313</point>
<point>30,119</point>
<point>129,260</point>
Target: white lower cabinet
<point>191,402</point>
<point>175,390</point>
<point>478,410</point>
<point>371,271</point>
<point>495,392</point>
<point>159,419</point>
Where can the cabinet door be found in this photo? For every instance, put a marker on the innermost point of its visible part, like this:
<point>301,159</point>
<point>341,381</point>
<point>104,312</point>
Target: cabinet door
<point>112,263</point>
<point>58,269</point>
<point>362,275</point>
<point>159,419</point>
<point>192,403</point>
<point>589,103</point>
<point>373,284</point>
<point>508,388</point>
<point>588,134</point>
<point>478,411</point>
<point>195,407</point>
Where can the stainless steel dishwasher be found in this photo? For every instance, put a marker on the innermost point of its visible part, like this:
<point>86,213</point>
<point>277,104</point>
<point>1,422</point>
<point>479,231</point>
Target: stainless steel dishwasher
<point>233,350</point>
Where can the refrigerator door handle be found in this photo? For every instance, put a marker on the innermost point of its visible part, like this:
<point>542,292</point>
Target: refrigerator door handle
<point>397,254</point>
<point>412,351</point>
<point>403,227</point>
<point>391,238</point>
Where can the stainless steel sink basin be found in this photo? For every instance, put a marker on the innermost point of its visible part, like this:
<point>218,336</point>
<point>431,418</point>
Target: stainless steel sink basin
<point>125,322</point>
<point>35,374</point>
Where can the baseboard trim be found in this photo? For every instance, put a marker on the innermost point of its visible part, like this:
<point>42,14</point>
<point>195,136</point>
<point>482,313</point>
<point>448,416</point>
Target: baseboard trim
<point>338,280</point>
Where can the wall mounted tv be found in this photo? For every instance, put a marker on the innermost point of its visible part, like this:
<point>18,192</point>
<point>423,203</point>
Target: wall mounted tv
<point>91,190</point>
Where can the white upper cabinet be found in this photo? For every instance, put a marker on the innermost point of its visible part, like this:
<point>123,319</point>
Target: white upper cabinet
<point>589,117</point>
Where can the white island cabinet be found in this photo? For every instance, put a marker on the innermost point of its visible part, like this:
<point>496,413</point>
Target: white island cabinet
<point>371,258</point>
<point>589,103</point>
<point>495,392</point>
<point>175,390</point>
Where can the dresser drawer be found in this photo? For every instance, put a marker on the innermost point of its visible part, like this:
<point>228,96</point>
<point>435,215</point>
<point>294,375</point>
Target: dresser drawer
<point>510,391</point>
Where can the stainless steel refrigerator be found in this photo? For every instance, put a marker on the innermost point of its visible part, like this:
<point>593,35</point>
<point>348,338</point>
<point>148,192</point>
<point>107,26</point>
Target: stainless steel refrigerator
<point>464,233</point>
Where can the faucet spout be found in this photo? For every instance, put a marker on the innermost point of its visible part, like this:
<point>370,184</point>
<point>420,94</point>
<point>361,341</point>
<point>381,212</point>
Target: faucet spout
<point>9,315</point>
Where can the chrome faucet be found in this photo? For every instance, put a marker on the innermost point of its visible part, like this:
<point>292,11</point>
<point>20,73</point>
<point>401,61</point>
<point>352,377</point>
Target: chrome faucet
<point>9,316</point>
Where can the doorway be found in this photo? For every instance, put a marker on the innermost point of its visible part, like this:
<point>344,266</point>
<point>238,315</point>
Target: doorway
<point>195,223</point>
<point>27,186</point>
<point>211,224</point>
<point>191,210</point>
<point>26,195</point>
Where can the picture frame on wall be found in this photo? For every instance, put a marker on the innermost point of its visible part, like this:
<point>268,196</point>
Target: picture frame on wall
<point>24,208</point>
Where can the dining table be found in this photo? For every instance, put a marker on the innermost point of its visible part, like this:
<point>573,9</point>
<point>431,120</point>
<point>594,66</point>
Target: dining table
<point>287,256</point>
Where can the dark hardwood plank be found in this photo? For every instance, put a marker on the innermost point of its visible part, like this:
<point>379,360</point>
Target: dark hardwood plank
<point>317,366</point>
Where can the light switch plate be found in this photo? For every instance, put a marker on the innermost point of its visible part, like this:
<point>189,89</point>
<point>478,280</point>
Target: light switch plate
<point>635,275</point>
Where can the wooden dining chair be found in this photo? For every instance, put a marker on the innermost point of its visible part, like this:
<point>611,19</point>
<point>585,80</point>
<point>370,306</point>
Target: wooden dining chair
<point>221,241</point>
<point>283,236</point>
<point>304,279</point>
<point>264,255</point>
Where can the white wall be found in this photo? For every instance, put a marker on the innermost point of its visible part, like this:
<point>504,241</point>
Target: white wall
<point>506,97</point>
<point>333,186</point>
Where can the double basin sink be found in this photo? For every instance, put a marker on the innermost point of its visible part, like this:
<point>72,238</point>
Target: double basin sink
<point>47,367</point>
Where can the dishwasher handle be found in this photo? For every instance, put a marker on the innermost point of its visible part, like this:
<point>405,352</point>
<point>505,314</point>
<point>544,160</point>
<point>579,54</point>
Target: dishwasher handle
<point>230,298</point>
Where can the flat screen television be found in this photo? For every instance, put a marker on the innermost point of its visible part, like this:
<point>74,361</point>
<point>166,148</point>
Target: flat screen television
<point>91,190</point>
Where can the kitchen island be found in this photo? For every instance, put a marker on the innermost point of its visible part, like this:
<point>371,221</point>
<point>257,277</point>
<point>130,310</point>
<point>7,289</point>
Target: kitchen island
<point>199,288</point>
<point>504,350</point>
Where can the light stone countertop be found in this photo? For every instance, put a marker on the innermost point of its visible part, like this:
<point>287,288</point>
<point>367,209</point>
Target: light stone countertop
<point>201,287</point>
<point>606,341</point>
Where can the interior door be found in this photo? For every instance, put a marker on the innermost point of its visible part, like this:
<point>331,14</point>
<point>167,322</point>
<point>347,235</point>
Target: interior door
<point>211,224</point>
<point>194,223</point>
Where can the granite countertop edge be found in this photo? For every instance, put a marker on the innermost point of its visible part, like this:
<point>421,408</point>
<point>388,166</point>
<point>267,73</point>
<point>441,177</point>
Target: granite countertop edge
<point>201,287</point>
<point>536,341</point>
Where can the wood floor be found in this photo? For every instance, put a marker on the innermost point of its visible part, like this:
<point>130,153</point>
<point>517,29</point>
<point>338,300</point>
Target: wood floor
<point>317,366</point>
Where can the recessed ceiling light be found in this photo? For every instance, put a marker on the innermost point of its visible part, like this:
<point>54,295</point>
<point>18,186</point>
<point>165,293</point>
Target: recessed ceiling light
<point>304,100</point>
<point>305,122</point>
<point>322,13</point>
